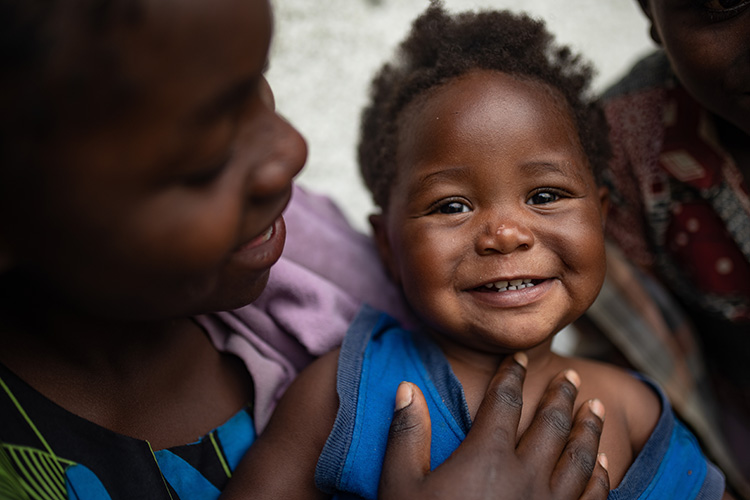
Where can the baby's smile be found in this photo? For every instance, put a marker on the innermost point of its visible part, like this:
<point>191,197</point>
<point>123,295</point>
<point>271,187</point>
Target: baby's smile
<point>505,285</point>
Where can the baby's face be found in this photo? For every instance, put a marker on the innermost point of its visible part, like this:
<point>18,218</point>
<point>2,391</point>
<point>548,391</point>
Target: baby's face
<point>174,206</point>
<point>708,44</point>
<point>494,229</point>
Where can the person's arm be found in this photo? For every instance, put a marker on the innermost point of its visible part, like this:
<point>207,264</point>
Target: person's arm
<point>556,458</point>
<point>281,463</point>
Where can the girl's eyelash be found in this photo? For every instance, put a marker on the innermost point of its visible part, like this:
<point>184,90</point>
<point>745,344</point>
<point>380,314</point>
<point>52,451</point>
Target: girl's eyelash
<point>715,11</point>
<point>206,176</point>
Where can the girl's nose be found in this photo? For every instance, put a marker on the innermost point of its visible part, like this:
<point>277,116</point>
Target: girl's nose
<point>505,237</point>
<point>286,153</point>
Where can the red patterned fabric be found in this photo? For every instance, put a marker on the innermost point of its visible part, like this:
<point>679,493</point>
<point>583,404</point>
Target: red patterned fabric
<point>681,207</point>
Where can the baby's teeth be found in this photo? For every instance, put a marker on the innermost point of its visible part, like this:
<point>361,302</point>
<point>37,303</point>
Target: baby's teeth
<point>501,284</point>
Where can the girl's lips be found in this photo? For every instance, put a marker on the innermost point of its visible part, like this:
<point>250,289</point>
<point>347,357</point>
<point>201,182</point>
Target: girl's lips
<point>259,240</point>
<point>264,250</point>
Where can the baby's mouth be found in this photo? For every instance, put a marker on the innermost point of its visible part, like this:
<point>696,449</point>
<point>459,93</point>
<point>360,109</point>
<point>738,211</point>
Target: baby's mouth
<point>506,286</point>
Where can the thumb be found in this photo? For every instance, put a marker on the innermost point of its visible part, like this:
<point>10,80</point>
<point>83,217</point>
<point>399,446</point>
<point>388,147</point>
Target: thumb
<point>407,454</point>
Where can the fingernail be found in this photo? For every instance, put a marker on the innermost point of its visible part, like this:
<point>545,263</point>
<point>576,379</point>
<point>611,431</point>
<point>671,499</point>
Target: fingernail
<point>521,359</point>
<point>602,459</point>
<point>404,395</point>
<point>597,408</point>
<point>573,378</point>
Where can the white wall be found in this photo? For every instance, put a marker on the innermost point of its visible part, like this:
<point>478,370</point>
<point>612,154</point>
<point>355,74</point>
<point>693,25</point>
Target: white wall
<point>325,52</point>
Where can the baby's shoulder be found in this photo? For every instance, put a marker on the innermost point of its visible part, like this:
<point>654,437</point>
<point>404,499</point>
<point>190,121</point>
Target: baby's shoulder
<point>627,398</point>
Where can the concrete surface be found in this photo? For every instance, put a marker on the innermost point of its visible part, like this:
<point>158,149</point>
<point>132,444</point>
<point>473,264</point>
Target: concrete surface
<point>325,52</point>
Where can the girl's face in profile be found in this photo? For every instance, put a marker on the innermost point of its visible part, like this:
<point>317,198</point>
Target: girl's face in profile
<point>173,207</point>
<point>708,45</point>
<point>495,225</point>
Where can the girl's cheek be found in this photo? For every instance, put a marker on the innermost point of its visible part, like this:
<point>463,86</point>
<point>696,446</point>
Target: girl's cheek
<point>191,236</point>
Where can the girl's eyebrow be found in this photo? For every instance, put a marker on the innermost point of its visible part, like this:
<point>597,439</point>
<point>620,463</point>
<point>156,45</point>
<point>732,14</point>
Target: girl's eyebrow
<point>226,102</point>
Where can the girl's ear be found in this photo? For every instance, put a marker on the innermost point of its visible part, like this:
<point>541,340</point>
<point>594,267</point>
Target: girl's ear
<point>382,242</point>
<point>646,8</point>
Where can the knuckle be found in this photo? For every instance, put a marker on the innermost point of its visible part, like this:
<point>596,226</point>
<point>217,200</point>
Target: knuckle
<point>558,420</point>
<point>592,426</point>
<point>568,390</point>
<point>403,425</point>
<point>506,396</point>
<point>582,459</point>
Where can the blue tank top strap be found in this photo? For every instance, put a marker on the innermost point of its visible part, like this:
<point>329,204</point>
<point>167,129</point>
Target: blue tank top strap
<point>375,357</point>
<point>671,463</point>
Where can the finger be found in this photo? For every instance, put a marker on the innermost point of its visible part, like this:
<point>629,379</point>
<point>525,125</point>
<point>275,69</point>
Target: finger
<point>407,454</point>
<point>578,460</point>
<point>598,487</point>
<point>500,411</point>
<point>548,433</point>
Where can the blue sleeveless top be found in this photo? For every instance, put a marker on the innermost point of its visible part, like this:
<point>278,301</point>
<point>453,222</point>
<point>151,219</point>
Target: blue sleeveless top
<point>377,355</point>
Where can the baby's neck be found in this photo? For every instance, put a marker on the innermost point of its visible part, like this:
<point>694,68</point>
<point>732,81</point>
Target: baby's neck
<point>475,369</point>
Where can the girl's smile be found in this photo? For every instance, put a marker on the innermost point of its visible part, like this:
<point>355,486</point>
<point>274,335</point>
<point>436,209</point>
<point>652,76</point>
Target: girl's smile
<point>264,250</point>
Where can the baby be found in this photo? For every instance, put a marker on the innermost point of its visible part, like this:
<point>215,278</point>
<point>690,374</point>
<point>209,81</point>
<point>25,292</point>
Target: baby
<point>483,152</point>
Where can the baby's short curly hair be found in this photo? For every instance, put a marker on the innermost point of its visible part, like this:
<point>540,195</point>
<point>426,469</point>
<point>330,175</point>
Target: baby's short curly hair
<point>440,47</point>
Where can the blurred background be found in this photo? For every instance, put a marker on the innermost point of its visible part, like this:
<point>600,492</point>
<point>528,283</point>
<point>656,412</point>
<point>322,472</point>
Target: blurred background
<point>325,52</point>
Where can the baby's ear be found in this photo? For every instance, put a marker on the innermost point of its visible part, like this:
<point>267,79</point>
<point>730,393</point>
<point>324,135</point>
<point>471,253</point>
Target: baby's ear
<point>382,242</point>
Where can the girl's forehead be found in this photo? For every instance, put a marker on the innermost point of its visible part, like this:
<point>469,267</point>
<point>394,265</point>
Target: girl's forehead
<point>166,52</point>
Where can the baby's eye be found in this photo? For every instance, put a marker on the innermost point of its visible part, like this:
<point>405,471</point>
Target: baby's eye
<point>543,197</point>
<point>453,207</point>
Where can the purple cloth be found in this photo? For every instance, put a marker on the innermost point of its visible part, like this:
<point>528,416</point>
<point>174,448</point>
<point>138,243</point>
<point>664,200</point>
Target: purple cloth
<point>327,271</point>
